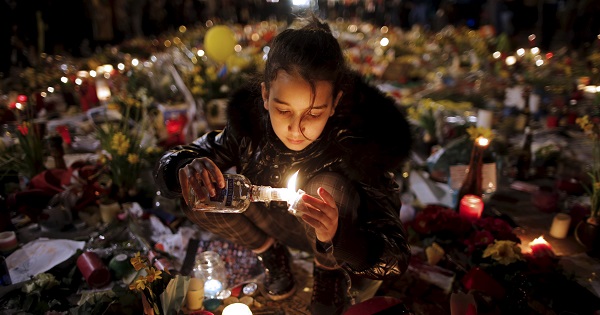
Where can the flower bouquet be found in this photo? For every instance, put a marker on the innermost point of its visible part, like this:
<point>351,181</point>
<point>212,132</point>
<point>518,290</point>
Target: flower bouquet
<point>592,129</point>
<point>162,292</point>
<point>126,147</point>
<point>26,155</point>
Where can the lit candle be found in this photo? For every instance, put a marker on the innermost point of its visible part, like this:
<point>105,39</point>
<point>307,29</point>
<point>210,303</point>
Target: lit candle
<point>102,89</point>
<point>212,287</point>
<point>471,207</point>
<point>237,309</point>
<point>484,118</point>
<point>540,248</point>
<point>294,197</point>
<point>560,225</point>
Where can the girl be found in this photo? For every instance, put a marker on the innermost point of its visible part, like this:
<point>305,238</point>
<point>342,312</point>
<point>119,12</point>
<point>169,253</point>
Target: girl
<point>310,113</point>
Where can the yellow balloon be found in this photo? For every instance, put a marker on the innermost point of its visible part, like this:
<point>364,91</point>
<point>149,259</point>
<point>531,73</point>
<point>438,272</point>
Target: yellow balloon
<point>219,43</point>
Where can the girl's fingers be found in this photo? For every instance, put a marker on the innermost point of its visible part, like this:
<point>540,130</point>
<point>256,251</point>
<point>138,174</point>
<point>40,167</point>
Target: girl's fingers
<point>183,182</point>
<point>215,172</point>
<point>326,196</point>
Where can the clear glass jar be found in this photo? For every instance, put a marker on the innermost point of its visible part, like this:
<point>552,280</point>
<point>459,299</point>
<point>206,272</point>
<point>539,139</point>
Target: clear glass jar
<point>210,267</point>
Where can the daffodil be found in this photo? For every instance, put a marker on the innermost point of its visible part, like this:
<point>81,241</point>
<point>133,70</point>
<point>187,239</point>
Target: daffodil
<point>476,132</point>
<point>504,252</point>
<point>139,284</point>
<point>137,262</point>
<point>133,158</point>
<point>120,143</point>
<point>153,274</point>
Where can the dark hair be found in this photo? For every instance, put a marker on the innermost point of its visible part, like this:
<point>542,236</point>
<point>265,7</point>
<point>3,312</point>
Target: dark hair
<point>310,51</point>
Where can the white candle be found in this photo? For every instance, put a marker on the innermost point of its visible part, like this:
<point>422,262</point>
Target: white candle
<point>237,309</point>
<point>560,225</point>
<point>484,118</point>
<point>196,284</point>
<point>194,299</point>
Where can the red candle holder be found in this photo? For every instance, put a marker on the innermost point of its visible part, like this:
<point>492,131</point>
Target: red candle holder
<point>471,207</point>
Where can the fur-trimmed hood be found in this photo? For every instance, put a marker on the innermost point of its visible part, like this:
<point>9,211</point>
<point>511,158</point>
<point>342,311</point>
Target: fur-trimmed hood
<point>369,129</point>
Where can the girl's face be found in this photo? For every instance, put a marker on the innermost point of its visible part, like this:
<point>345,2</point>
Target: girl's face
<point>288,102</point>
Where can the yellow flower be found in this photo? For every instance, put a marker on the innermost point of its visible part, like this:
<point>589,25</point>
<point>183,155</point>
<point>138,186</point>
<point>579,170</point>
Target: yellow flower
<point>137,261</point>
<point>476,132</point>
<point>153,150</point>
<point>198,80</point>
<point>133,158</point>
<point>211,73</point>
<point>153,274</point>
<point>583,121</point>
<point>120,143</point>
<point>102,159</point>
<point>504,252</point>
<point>139,284</point>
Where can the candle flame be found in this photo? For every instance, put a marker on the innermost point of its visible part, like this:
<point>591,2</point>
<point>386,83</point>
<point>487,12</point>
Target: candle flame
<point>539,240</point>
<point>482,141</point>
<point>291,194</point>
<point>292,182</point>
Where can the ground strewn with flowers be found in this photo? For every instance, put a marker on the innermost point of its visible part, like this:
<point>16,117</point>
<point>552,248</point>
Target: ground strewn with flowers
<point>486,259</point>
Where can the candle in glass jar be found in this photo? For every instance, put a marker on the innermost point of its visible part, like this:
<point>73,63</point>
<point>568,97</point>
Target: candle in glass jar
<point>471,207</point>
<point>540,248</point>
<point>212,287</point>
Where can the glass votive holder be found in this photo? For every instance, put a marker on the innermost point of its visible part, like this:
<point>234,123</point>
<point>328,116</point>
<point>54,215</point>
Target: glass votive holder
<point>210,269</point>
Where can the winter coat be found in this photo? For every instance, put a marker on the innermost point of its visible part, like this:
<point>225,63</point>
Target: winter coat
<point>365,140</point>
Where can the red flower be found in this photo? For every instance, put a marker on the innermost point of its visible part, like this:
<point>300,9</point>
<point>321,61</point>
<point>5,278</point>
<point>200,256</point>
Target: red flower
<point>434,219</point>
<point>498,227</point>
<point>12,105</point>
<point>479,240</point>
<point>21,98</point>
<point>23,129</point>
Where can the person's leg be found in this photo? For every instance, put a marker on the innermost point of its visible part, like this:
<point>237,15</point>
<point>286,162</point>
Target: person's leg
<point>331,286</point>
<point>257,229</point>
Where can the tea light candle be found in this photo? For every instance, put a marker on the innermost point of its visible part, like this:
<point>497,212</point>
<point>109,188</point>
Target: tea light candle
<point>540,248</point>
<point>237,309</point>
<point>471,207</point>
<point>560,225</point>
<point>8,242</point>
<point>212,287</point>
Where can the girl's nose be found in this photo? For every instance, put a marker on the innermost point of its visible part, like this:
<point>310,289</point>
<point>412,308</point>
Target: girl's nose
<point>295,125</point>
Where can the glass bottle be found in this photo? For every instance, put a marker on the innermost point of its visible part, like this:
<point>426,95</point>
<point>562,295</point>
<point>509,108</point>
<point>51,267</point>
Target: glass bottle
<point>238,193</point>
<point>472,184</point>
<point>161,262</point>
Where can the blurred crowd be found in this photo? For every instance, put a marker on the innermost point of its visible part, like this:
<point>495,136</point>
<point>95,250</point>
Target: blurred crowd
<point>79,27</point>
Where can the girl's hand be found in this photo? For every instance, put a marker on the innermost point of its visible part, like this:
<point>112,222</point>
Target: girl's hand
<point>201,175</point>
<point>322,214</point>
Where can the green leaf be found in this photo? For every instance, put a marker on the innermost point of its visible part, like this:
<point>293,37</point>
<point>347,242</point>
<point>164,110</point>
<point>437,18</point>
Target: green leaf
<point>174,295</point>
